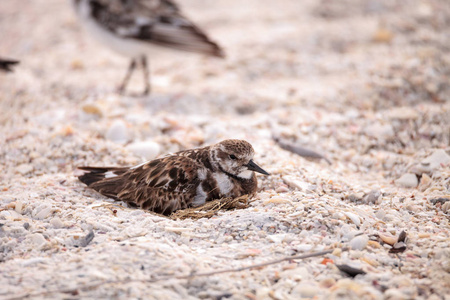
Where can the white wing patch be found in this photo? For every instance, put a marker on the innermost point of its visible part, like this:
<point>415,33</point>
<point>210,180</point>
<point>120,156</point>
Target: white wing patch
<point>110,174</point>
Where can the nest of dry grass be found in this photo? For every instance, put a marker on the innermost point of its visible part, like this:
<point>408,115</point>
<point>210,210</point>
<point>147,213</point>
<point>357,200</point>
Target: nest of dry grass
<point>207,210</point>
<point>211,208</point>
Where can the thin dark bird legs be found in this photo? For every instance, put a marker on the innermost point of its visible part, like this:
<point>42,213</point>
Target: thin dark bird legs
<point>145,69</point>
<point>144,65</point>
<point>127,76</point>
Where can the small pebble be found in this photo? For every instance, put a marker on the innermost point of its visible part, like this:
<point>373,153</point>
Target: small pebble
<point>83,242</point>
<point>38,239</point>
<point>56,222</point>
<point>118,132</point>
<point>327,283</point>
<point>24,168</point>
<point>380,214</point>
<point>372,197</point>
<point>359,242</point>
<point>304,290</point>
<point>92,109</point>
<point>148,150</point>
<point>380,131</point>
<point>407,180</point>
<point>355,197</point>
<point>282,189</point>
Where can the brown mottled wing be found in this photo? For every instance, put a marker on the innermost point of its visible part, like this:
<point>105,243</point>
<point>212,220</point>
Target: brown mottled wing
<point>161,185</point>
<point>155,21</point>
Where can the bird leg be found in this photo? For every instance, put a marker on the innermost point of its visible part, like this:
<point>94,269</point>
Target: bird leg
<point>145,69</point>
<point>127,76</point>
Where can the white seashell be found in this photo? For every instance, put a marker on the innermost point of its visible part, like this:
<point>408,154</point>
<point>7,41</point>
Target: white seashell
<point>337,215</point>
<point>388,239</point>
<point>130,232</point>
<point>5,214</point>
<point>303,247</point>
<point>425,182</point>
<point>354,218</point>
<point>276,238</point>
<point>32,261</point>
<point>276,200</point>
<point>359,242</point>
<point>43,213</point>
<point>177,229</point>
<point>293,182</point>
<point>19,207</point>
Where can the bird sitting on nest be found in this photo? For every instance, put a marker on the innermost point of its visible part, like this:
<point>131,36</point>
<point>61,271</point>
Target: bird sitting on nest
<point>185,179</point>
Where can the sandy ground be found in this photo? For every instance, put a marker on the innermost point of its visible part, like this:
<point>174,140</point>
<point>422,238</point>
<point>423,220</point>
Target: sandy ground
<point>364,83</point>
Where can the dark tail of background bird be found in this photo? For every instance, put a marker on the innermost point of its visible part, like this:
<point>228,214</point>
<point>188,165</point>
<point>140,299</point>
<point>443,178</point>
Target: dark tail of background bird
<point>6,64</point>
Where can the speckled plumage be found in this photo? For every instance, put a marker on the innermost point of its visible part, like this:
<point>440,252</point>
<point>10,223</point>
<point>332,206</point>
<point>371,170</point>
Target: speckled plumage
<point>184,179</point>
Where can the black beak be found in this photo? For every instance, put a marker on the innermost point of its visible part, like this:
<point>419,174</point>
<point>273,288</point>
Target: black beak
<point>254,167</point>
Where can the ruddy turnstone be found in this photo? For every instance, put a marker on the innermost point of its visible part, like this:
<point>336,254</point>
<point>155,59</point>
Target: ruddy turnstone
<point>6,64</point>
<point>185,179</point>
<point>135,28</point>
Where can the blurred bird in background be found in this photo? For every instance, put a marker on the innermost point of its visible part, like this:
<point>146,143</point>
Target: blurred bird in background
<point>136,28</point>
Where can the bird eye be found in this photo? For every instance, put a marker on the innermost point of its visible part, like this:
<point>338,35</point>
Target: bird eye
<point>232,156</point>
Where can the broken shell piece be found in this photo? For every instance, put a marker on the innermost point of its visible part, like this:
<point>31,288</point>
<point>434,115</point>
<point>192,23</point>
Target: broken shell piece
<point>354,218</point>
<point>388,239</point>
<point>277,201</point>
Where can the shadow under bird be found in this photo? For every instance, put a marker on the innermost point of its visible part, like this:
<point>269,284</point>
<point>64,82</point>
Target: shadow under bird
<point>137,28</point>
<point>184,179</point>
